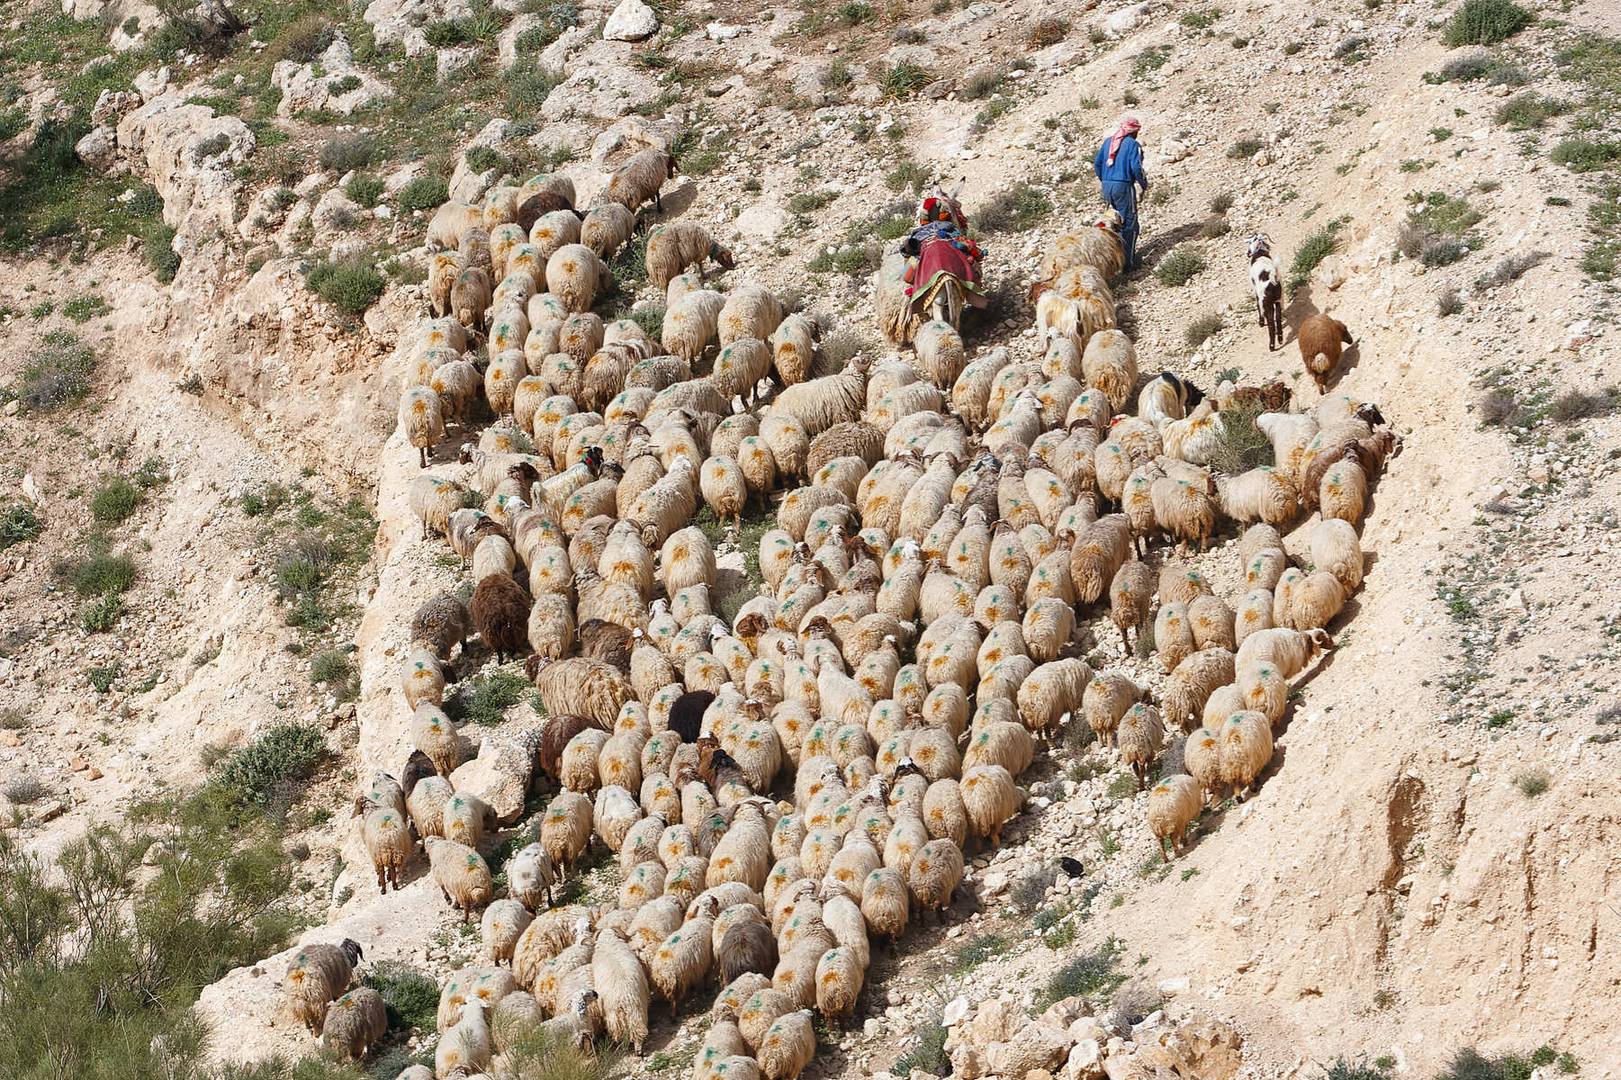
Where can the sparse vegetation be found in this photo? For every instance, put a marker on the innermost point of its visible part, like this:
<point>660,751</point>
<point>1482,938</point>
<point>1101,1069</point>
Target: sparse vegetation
<point>1048,31</point>
<point>82,309</point>
<point>1480,66</point>
<point>1313,250</point>
<point>1524,112</point>
<point>1580,405</point>
<point>1092,974</point>
<point>1149,60</point>
<point>1242,446</point>
<point>423,193</point>
<point>19,523</point>
<point>58,373</point>
<point>275,766</point>
<point>351,285</point>
<point>1533,783</point>
<point>1485,22</point>
<point>24,789</point>
<point>1179,266</point>
<point>1582,155</point>
<point>928,1051</point>
<point>908,174</point>
<point>976,951</point>
<point>485,699</point>
<point>1202,328</point>
<point>1438,229</point>
<point>1448,302</point>
<point>114,500</point>
<point>1014,209</point>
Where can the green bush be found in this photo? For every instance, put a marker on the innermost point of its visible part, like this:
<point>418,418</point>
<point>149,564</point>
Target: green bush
<point>1529,110</point>
<point>529,85</point>
<point>413,996</point>
<point>1203,328</point>
<point>275,766</point>
<point>423,193</point>
<point>365,189</point>
<point>1091,974</point>
<point>1242,445</point>
<point>1438,230</point>
<point>101,571</point>
<point>114,500</point>
<point>58,373</point>
<point>330,666</point>
<point>157,245</point>
<point>1485,22</point>
<point>19,523</point>
<point>84,308</point>
<point>1246,147</point>
<point>929,1053</point>
<point>483,159</point>
<point>100,962</point>
<point>1179,267</point>
<point>485,699</point>
<point>1313,250</point>
<point>1581,155</point>
<point>352,285</point>
<point>850,259</point>
<point>854,13</point>
<point>99,615</point>
<point>903,79</point>
<point>345,153</point>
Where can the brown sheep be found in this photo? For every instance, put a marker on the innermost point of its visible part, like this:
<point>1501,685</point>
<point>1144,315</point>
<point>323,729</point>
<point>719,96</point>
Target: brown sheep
<point>500,613</point>
<point>1320,338</point>
<point>640,179</point>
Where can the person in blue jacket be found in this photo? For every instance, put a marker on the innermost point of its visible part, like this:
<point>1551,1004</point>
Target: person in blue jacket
<point>1119,166</point>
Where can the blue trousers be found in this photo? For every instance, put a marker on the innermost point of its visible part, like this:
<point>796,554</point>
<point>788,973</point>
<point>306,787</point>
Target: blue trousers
<point>1122,196</point>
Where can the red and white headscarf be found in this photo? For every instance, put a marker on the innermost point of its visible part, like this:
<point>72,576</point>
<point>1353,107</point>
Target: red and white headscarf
<point>1128,126</point>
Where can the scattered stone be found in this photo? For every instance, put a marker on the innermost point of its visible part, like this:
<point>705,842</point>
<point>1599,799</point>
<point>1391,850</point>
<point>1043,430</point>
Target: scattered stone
<point>98,148</point>
<point>1331,273</point>
<point>632,20</point>
<point>1036,1046</point>
<point>449,63</point>
<point>955,1012</point>
<point>151,84</point>
<point>1171,151</point>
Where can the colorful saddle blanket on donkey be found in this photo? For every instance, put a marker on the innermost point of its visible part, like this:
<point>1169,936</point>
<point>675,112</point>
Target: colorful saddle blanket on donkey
<point>939,258</point>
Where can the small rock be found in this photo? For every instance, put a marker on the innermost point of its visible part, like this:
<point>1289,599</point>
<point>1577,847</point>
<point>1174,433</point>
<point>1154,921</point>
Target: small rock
<point>721,31</point>
<point>47,811</point>
<point>1330,272</point>
<point>1173,986</point>
<point>632,20</point>
<point>967,1063</point>
<point>1171,151</point>
<point>149,84</point>
<point>956,1011</point>
<point>98,148</point>
<point>449,63</point>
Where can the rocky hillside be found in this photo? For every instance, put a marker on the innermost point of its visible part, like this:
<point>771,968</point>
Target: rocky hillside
<point>212,238</point>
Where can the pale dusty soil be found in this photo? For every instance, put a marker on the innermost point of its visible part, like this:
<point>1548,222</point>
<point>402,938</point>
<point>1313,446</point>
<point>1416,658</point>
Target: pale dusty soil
<point>1388,890</point>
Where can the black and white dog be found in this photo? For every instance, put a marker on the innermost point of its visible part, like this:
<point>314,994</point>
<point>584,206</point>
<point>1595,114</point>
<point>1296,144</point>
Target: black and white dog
<point>1268,289</point>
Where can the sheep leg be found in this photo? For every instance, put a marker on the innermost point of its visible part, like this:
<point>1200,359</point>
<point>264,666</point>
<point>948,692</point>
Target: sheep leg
<point>1125,643</point>
<point>382,879</point>
<point>423,451</point>
<point>1166,848</point>
<point>658,201</point>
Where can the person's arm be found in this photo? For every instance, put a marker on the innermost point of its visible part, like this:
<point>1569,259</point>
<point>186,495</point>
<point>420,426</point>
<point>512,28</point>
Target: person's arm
<point>1139,174</point>
<point>1097,159</point>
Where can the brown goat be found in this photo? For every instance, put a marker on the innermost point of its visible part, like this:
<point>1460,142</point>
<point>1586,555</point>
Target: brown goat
<point>554,737</point>
<point>1320,338</point>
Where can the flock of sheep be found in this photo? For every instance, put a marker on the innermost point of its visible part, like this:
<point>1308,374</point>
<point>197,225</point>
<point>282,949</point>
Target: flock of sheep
<point>783,789</point>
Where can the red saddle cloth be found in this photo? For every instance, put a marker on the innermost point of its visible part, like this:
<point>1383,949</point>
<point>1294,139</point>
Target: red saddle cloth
<point>944,257</point>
